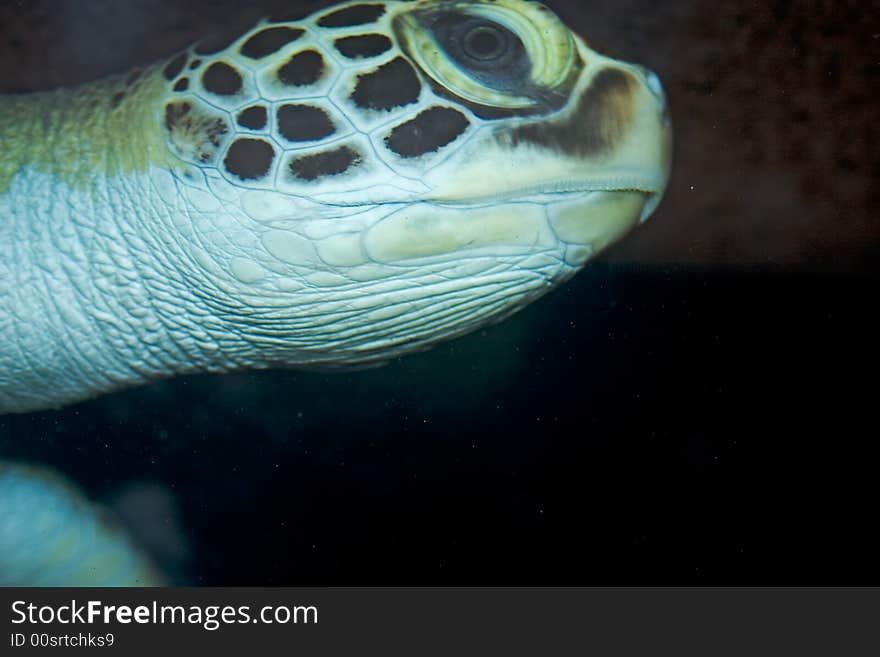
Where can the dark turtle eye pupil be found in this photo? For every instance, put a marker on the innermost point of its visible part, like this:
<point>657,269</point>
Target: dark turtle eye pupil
<point>485,51</point>
<point>485,43</point>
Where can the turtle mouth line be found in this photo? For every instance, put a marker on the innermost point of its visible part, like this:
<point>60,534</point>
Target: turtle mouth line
<point>649,200</point>
<point>544,192</point>
<point>538,195</point>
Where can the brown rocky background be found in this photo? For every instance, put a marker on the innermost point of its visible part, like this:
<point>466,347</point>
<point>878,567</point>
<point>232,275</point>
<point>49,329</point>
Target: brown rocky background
<point>775,107</point>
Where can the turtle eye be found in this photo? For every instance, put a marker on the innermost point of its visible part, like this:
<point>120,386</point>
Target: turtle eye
<point>496,54</point>
<point>484,50</point>
<point>486,43</point>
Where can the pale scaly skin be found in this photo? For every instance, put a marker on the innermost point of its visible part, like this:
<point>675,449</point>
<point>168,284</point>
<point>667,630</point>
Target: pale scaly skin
<point>134,246</point>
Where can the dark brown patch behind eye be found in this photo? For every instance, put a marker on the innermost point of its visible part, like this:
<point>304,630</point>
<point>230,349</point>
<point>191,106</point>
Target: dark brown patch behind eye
<point>429,131</point>
<point>304,123</point>
<point>220,78</point>
<point>249,159</point>
<point>357,15</point>
<point>597,123</point>
<point>182,84</point>
<point>302,69</point>
<point>174,67</point>
<point>194,64</point>
<point>268,41</point>
<point>394,84</point>
<point>365,45</point>
<point>329,163</point>
<point>254,118</point>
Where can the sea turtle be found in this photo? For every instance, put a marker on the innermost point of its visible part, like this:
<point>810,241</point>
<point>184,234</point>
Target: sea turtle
<point>329,192</point>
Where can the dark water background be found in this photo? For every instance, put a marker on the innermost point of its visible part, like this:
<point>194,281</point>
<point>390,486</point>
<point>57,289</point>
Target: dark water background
<point>698,406</point>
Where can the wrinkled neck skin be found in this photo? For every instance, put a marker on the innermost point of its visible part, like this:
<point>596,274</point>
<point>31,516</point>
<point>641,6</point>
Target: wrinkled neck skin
<point>76,226</point>
<point>120,265</point>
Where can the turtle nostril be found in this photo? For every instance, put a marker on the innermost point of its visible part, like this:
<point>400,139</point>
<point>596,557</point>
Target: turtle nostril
<point>653,83</point>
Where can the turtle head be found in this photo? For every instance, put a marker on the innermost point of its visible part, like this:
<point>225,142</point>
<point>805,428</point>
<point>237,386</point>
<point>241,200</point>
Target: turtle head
<point>407,171</point>
<point>542,120</point>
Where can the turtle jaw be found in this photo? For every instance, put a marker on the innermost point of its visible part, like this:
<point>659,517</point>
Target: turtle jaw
<point>589,223</point>
<point>631,186</point>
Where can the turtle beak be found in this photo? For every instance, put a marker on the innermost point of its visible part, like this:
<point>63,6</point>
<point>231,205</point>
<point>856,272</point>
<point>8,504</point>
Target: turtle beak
<point>663,137</point>
<point>630,177</point>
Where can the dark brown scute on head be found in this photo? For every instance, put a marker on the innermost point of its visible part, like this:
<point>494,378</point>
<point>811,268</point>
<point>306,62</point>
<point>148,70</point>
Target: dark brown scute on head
<point>364,45</point>
<point>304,123</point>
<point>182,84</point>
<point>193,133</point>
<point>221,79</point>
<point>596,124</point>
<point>254,117</point>
<point>117,99</point>
<point>394,84</point>
<point>249,159</point>
<point>302,69</point>
<point>270,40</point>
<point>174,67</point>
<point>329,163</point>
<point>428,132</point>
<point>357,15</point>
<point>194,64</point>
<point>213,130</point>
<point>174,112</point>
